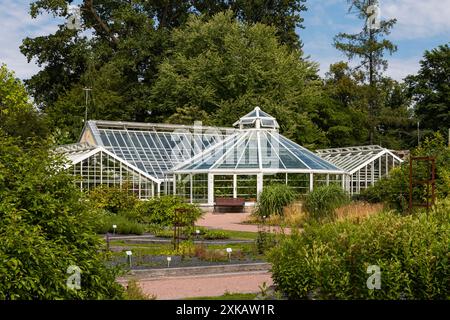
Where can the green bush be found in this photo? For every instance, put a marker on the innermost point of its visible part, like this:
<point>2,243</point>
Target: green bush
<point>330,261</point>
<point>207,234</point>
<point>114,199</point>
<point>161,211</point>
<point>45,228</point>
<point>273,199</point>
<point>394,189</point>
<point>105,221</point>
<point>322,202</point>
<point>214,235</point>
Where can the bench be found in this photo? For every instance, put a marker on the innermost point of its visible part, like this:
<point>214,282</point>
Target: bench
<point>230,203</point>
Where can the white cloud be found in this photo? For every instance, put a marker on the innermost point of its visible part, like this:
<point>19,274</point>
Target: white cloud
<point>417,18</point>
<point>15,25</point>
<point>400,68</point>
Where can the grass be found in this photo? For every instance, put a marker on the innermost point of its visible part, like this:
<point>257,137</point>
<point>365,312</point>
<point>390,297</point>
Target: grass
<point>228,296</point>
<point>240,235</point>
<point>293,217</point>
<point>357,211</point>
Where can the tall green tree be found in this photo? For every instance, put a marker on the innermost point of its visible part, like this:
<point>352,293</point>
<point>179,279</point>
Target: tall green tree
<point>369,46</point>
<point>225,68</point>
<point>18,118</point>
<point>120,58</point>
<point>44,227</point>
<point>430,89</point>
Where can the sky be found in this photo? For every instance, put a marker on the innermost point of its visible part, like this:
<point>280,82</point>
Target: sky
<point>421,25</point>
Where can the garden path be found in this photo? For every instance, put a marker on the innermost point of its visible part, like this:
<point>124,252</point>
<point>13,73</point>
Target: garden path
<point>231,221</point>
<point>169,288</point>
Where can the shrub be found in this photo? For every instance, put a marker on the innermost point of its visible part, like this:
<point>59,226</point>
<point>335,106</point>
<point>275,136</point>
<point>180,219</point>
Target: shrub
<point>273,199</point>
<point>44,229</point>
<point>114,199</point>
<point>214,235</point>
<point>134,292</point>
<point>161,211</point>
<point>330,261</point>
<point>207,234</point>
<point>394,189</point>
<point>105,221</point>
<point>322,202</point>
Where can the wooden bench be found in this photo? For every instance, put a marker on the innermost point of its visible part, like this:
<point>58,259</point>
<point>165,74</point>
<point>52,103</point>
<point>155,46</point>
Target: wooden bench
<point>230,203</point>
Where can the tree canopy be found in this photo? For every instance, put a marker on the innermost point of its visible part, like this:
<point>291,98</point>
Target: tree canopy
<point>430,89</point>
<point>44,227</point>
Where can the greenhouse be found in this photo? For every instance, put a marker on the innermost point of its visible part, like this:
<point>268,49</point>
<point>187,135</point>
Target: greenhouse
<point>254,156</point>
<point>364,165</point>
<point>94,166</point>
<point>154,148</point>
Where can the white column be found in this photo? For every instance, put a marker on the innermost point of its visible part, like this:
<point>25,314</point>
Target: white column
<point>190,187</point>
<point>387,167</point>
<point>101,167</point>
<point>351,183</point>
<point>373,173</point>
<point>365,180</point>
<point>358,185</point>
<point>311,182</point>
<point>210,189</point>
<point>379,168</point>
<point>140,189</point>
<point>153,189</point>
<point>343,181</point>
<point>174,184</point>
<point>259,184</point>
<point>328,179</point>
<point>234,185</point>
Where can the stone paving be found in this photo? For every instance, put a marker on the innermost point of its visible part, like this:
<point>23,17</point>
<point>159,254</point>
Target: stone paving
<point>205,286</point>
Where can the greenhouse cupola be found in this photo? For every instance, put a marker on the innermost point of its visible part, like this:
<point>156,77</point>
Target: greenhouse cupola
<point>257,119</point>
<point>254,156</point>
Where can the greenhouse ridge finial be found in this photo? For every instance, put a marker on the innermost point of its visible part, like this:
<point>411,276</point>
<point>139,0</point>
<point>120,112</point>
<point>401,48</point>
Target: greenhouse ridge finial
<point>257,119</point>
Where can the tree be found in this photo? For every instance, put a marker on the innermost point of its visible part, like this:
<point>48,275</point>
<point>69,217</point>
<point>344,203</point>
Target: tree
<point>119,61</point>
<point>44,226</point>
<point>18,118</point>
<point>369,46</point>
<point>45,229</point>
<point>430,89</point>
<point>341,111</point>
<point>225,68</point>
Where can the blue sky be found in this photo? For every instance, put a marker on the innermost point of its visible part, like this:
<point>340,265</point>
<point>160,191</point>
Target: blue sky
<point>421,25</point>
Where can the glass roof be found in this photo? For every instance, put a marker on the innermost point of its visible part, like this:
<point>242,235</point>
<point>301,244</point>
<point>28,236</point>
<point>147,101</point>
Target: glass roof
<point>79,152</point>
<point>257,119</point>
<point>254,150</point>
<point>351,159</point>
<point>155,148</point>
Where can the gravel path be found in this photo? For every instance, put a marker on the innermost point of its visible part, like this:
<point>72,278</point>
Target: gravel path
<point>203,286</point>
<point>231,221</point>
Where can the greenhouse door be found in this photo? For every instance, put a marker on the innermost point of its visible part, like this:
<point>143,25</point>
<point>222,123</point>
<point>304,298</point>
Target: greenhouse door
<point>246,187</point>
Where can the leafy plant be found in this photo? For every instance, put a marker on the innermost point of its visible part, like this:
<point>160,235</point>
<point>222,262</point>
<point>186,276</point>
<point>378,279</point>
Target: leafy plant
<point>330,261</point>
<point>45,228</point>
<point>134,292</point>
<point>322,202</point>
<point>161,211</point>
<point>273,199</point>
<point>394,189</point>
<point>105,221</point>
<point>113,198</point>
